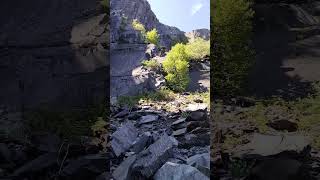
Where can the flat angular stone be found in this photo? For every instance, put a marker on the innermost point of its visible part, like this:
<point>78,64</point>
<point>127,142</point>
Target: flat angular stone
<point>179,171</point>
<point>123,170</point>
<point>142,142</point>
<point>267,145</point>
<point>201,162</point>
<point>196,107</point>
<point>179,132</point>
<point>148,119</point>
<point>150,160</point>
<point>179,121</point>
<point>123,138</point>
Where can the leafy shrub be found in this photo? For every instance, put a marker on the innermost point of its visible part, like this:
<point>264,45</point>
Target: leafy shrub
<point>99,127</point>
<point>105,5</point>
<point>177,68</point>
<point>151,64</point>
<point>153,36</point>
<point>198,49</point>
<point>138,26</point>
<point>231,54</point>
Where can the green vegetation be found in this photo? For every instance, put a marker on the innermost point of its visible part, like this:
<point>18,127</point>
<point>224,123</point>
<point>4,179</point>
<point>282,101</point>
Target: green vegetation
<point>105,5</point>
<point>198,49</point>
<point>99,127</point>
<point>67,124</point>
<point>136,25</point>
<point>231,53</point>
<point>163,94</point>
<point>151,64</point>
<point>177,68</point>
<point>153,37</point>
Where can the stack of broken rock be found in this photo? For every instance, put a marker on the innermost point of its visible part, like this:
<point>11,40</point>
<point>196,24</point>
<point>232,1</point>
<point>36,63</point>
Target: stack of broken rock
<point>160,145</point>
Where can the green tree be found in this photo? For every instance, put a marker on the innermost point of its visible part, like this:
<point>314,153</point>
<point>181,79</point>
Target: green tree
<point>177,68</point>
<point>153,36</point>
<point>232,56</point>
<point>139,27</point>
<point>198,49</point>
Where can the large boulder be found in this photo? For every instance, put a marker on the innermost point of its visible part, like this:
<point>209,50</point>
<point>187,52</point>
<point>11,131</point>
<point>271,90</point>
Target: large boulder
<point>270,145</point>
<point>179,171</point>
<point>150,160</point>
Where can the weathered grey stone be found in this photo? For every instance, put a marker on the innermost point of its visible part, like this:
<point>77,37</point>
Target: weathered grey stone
<point>179,171</point>
<point>148,119</point>
<point>104,176</point>
<point>179,132</point>
<point>142,142</point>
<point>179,121</point>
<point>150,160</point>
<point>123,171</point>
<point>122,114</point>
<point>123,138</point>
<point>196,107</point>
<point>201,162</point>
<point>267,145</point>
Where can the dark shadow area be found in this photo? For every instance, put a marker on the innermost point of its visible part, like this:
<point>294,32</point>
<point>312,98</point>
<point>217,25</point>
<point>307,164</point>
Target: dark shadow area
<point>272,46</point>
<point>54,86</point>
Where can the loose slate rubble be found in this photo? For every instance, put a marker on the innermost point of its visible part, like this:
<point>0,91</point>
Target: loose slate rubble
<point>143,141</point>
<point>179,171</point>
<point>123,171</point>
<point>150,160</point>
<point>201,162</point>
<point>123,138</point>
<point>148,119</point>
<point>179,132</point>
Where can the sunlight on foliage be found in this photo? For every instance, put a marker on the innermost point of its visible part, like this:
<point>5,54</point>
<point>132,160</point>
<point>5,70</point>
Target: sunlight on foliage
<point>153,37</point>
<point>177,68</point>
<point>99,126</point>
<point>163,94</point>
<point>232,55</point>
<point>198,49</point>
<point>151,64</point>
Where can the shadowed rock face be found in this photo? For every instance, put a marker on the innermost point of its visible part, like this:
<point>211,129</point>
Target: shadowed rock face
<point>286,45</point>
<point>52,52</point>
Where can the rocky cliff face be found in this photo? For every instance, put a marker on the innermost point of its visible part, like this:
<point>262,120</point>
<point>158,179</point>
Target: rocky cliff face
<point>52,53</point>
<point>198,33</point>
<point>124,11</point>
